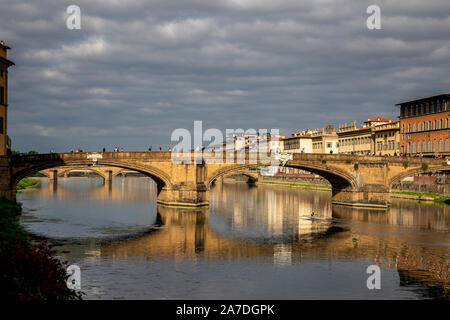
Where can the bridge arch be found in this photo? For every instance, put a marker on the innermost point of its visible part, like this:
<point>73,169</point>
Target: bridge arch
<point>399,177</point>
<point>91,168</point>
<point>252,176</point>
<point>162,179</point>
<point>338,178</point>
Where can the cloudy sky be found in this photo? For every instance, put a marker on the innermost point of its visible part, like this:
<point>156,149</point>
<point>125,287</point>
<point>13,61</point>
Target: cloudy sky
<point>139,69</point>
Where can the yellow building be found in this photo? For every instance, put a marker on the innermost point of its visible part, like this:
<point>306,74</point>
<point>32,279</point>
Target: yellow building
<point>325,141</point>
<point>353,140</point>
<point>5,142</point>
<point>387,138</point>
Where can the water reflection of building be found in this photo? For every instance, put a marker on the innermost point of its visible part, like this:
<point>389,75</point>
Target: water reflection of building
<point>286,235</point>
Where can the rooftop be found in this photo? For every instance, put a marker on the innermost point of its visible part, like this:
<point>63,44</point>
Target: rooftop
<point>378,119</point>
<point>420,99</point>
<point>4,45</point>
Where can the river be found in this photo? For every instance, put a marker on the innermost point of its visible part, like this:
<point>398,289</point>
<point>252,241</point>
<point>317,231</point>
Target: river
<point>251,243</point>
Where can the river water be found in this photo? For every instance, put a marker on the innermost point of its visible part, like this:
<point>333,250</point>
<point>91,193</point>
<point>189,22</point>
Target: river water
<point>251,243</point>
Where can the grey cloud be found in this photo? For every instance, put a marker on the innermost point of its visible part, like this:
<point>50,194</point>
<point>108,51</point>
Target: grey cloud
<point>139,69</point>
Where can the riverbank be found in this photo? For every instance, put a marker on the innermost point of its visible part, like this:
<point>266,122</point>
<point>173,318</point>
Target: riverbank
<point>297,185</point>
<point>410,195</point>
<point>421,196</point>
<point>26,183</point>
<point>28,271</point>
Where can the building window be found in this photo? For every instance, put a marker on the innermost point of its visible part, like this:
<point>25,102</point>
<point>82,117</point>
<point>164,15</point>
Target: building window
<point>434,146</point>
<point>418,146</point>
<point>429,146</point>
<point>2,95</point>
<point>1,125</point>
<point>424,146</point>
<point>446,145</point>
<point>440,145</point>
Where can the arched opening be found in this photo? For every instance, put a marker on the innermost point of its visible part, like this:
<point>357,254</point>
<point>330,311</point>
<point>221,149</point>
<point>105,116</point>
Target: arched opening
<point>422,180</point>
<point>160,178</point>
<point>341,181</point>
<point>248,176</point>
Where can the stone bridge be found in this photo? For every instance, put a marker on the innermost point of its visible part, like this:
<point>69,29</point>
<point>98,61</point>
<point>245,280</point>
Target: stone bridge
<point>356,180</point>
<point>107,173</point>
<point>252,175</point>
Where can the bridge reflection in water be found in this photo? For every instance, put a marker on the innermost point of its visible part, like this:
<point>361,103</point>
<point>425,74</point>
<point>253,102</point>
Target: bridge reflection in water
<point>274,225</point>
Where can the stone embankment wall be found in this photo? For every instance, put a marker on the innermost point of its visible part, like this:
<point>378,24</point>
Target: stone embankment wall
<point>434,184</point>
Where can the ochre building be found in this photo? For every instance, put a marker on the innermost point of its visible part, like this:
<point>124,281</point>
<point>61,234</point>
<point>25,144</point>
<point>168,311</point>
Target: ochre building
<point>424,126</point>
<point>325,141</point>
<point>354,140</point>
<point>386,138</point>
<point>5,142</point>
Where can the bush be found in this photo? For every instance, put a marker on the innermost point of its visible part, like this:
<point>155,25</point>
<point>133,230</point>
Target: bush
<point>405,164</point>
<point>33,273</point>
<point>25,183</point>
<point>28,272</point>
<point>424,166</point>
<point>356,167</point>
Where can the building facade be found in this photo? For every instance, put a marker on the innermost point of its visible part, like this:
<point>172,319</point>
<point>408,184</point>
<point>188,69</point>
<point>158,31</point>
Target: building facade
<point>299,142</point>
<point>424,126</point>
<point>325,141</point>
<point>5,142</point>
<point>354,140</point>
<point>386,139</point>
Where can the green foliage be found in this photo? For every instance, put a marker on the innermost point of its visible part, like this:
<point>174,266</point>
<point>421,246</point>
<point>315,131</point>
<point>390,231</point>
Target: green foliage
<point>439,198</point>
<point>10,228</point>
<point>348,161</point>
<point>25,183</point>
<point>324,161</point>
<point>424,166</point>
<point>27,271</point>
<point>311,186</point>
<point>405,164</point>
<point>356,166</point>
<point>31,152</point>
